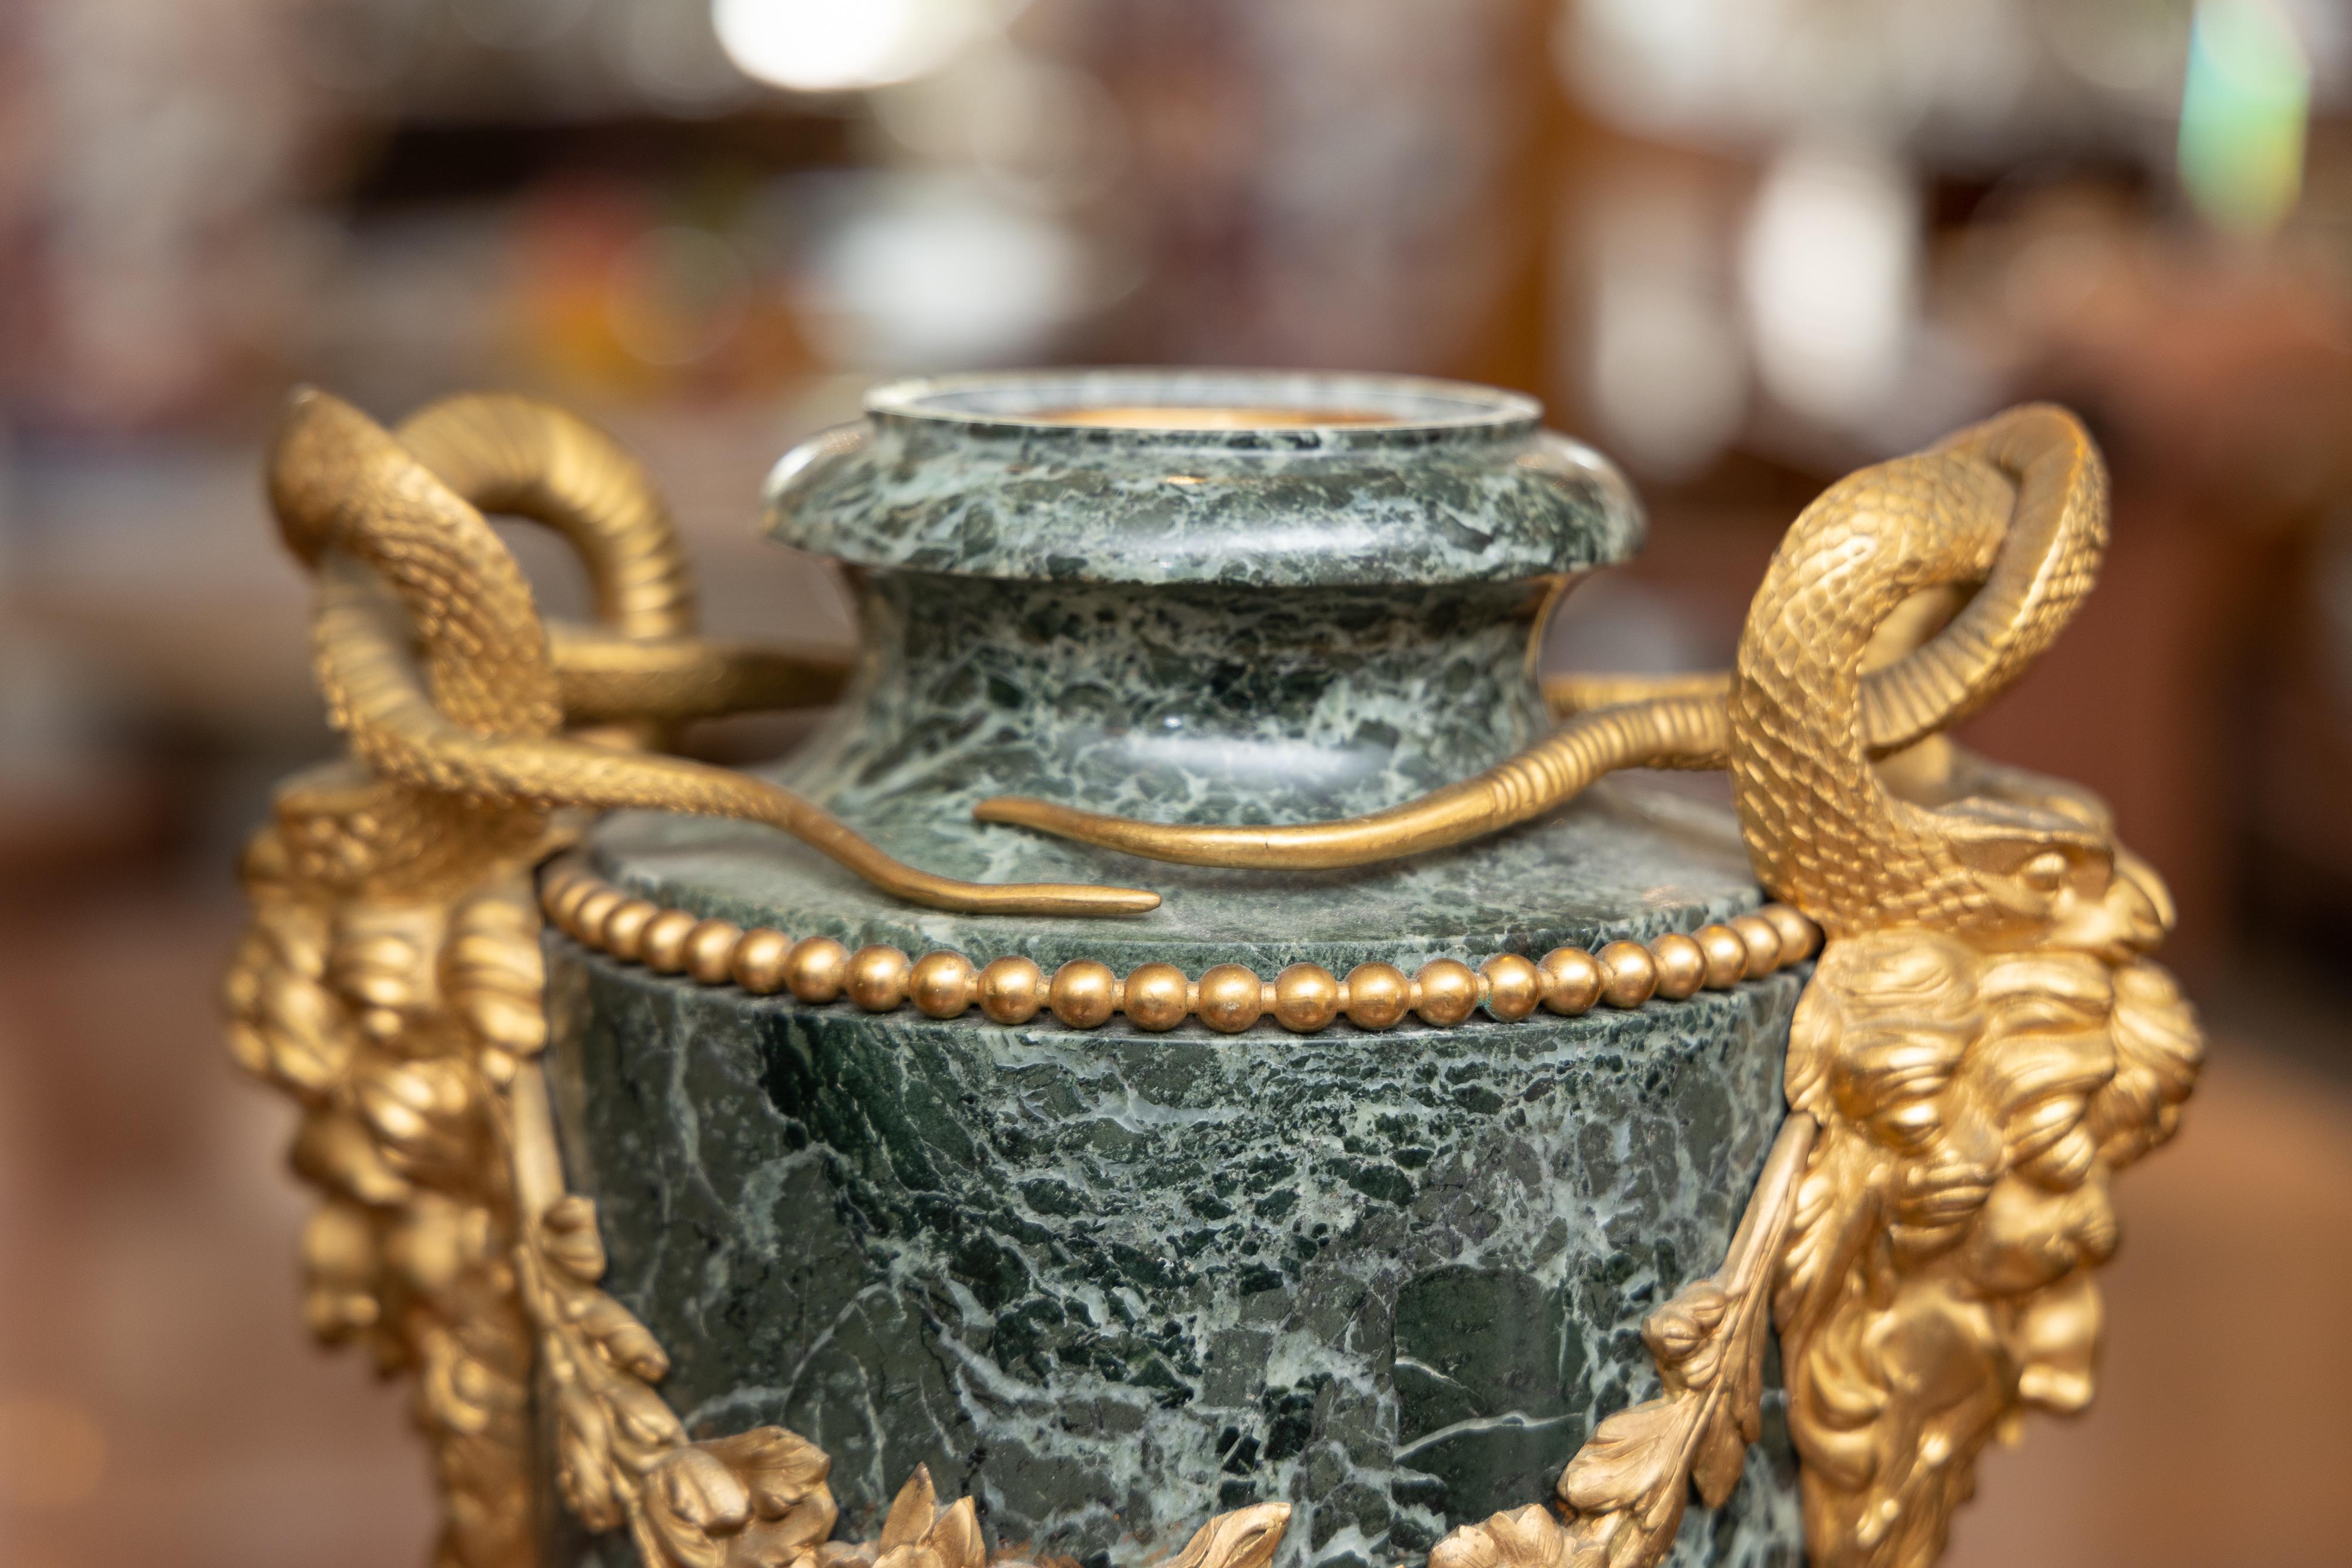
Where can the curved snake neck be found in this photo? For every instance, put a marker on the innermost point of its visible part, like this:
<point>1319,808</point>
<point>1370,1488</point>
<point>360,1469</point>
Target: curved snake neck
<point>1822,826</point>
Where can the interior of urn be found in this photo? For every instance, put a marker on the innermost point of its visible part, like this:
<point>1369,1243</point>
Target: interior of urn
<point>1146,401</point>
<point>1207,416</point>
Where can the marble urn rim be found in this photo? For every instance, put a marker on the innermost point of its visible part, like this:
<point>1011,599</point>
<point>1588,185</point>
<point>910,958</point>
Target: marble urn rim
<point>1300,479</point>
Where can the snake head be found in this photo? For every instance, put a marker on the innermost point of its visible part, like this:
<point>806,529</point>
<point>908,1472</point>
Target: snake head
<point>2040,868</point>
<point>2129,919</point>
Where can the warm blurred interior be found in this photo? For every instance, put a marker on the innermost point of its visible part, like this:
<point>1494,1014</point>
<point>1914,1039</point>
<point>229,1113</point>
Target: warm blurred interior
<point>1742,244</point>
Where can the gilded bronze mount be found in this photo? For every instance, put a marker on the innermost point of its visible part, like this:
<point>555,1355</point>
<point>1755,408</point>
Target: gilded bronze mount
<point>1227,998</point>
<point>1982,1042</point>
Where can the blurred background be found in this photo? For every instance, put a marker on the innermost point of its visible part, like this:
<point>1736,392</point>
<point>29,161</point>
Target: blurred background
<point>1742,244</point>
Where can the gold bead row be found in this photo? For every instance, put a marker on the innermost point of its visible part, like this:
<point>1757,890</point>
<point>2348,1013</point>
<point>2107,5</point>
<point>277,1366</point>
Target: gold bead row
<point>1228,998</point>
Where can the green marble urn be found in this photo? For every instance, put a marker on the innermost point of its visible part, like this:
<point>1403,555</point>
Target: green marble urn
<point>741,1163</point>
<point>1107,1282</point>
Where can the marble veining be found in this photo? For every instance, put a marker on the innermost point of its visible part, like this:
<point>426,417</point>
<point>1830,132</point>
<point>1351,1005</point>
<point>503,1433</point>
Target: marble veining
<point>1108,1283</point>
<point>954,475</point>
<point>1194,704</point>
<point>1111,1282</point>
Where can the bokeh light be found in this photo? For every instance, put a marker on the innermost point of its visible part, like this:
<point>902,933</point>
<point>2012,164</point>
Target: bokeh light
<point>2243,112</point>
<point>838,45</point>
<point>1829,269</point>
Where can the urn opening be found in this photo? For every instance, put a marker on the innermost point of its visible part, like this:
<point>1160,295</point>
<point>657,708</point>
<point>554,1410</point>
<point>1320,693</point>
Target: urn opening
<point>1206,416</point>
<point>1191,402</point>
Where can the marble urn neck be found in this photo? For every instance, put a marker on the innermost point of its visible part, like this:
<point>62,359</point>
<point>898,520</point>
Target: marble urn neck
<point>1189,596</point>
<point>1229,597</point>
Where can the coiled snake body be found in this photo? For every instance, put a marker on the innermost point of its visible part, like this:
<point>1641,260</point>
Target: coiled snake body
<point>373,514</point>
<point>2014,508</point>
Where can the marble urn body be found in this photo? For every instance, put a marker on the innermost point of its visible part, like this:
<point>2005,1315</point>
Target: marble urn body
<point>1108,1282</point>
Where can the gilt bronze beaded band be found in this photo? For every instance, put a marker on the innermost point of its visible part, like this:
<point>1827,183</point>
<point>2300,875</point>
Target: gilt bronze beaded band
<point>1227,998</point>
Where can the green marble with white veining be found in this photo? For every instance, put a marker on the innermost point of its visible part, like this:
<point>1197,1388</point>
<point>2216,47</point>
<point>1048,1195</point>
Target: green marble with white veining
<point>957,475</point>
<point>1110,1282</point>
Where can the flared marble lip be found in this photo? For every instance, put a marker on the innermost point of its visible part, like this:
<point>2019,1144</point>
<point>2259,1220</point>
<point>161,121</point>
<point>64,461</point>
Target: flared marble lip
<point>1242,478</point>
<point>1141,404</point>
